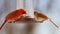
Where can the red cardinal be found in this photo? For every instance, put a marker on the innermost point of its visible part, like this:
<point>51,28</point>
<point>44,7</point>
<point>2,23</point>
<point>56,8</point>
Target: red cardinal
<point>13,16</point>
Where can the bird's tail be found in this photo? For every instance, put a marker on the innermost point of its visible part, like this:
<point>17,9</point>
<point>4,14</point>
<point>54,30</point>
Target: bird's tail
<point>54,23</point>
<point>3,24</point>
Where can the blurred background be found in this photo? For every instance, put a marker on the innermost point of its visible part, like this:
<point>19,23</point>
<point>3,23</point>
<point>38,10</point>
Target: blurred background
<point>49,7</point>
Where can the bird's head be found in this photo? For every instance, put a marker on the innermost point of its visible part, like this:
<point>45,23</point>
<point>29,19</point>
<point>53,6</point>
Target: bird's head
<point>23,11</point>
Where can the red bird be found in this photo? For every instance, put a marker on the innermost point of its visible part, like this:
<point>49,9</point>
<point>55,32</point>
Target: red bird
<point>13,16</point>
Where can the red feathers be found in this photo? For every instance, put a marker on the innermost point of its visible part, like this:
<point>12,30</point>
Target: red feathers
<point>13,16</point>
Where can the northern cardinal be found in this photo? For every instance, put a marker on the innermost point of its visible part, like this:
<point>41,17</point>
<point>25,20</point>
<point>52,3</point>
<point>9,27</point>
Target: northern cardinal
<point>42,17</point>
<point>13,16</point>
